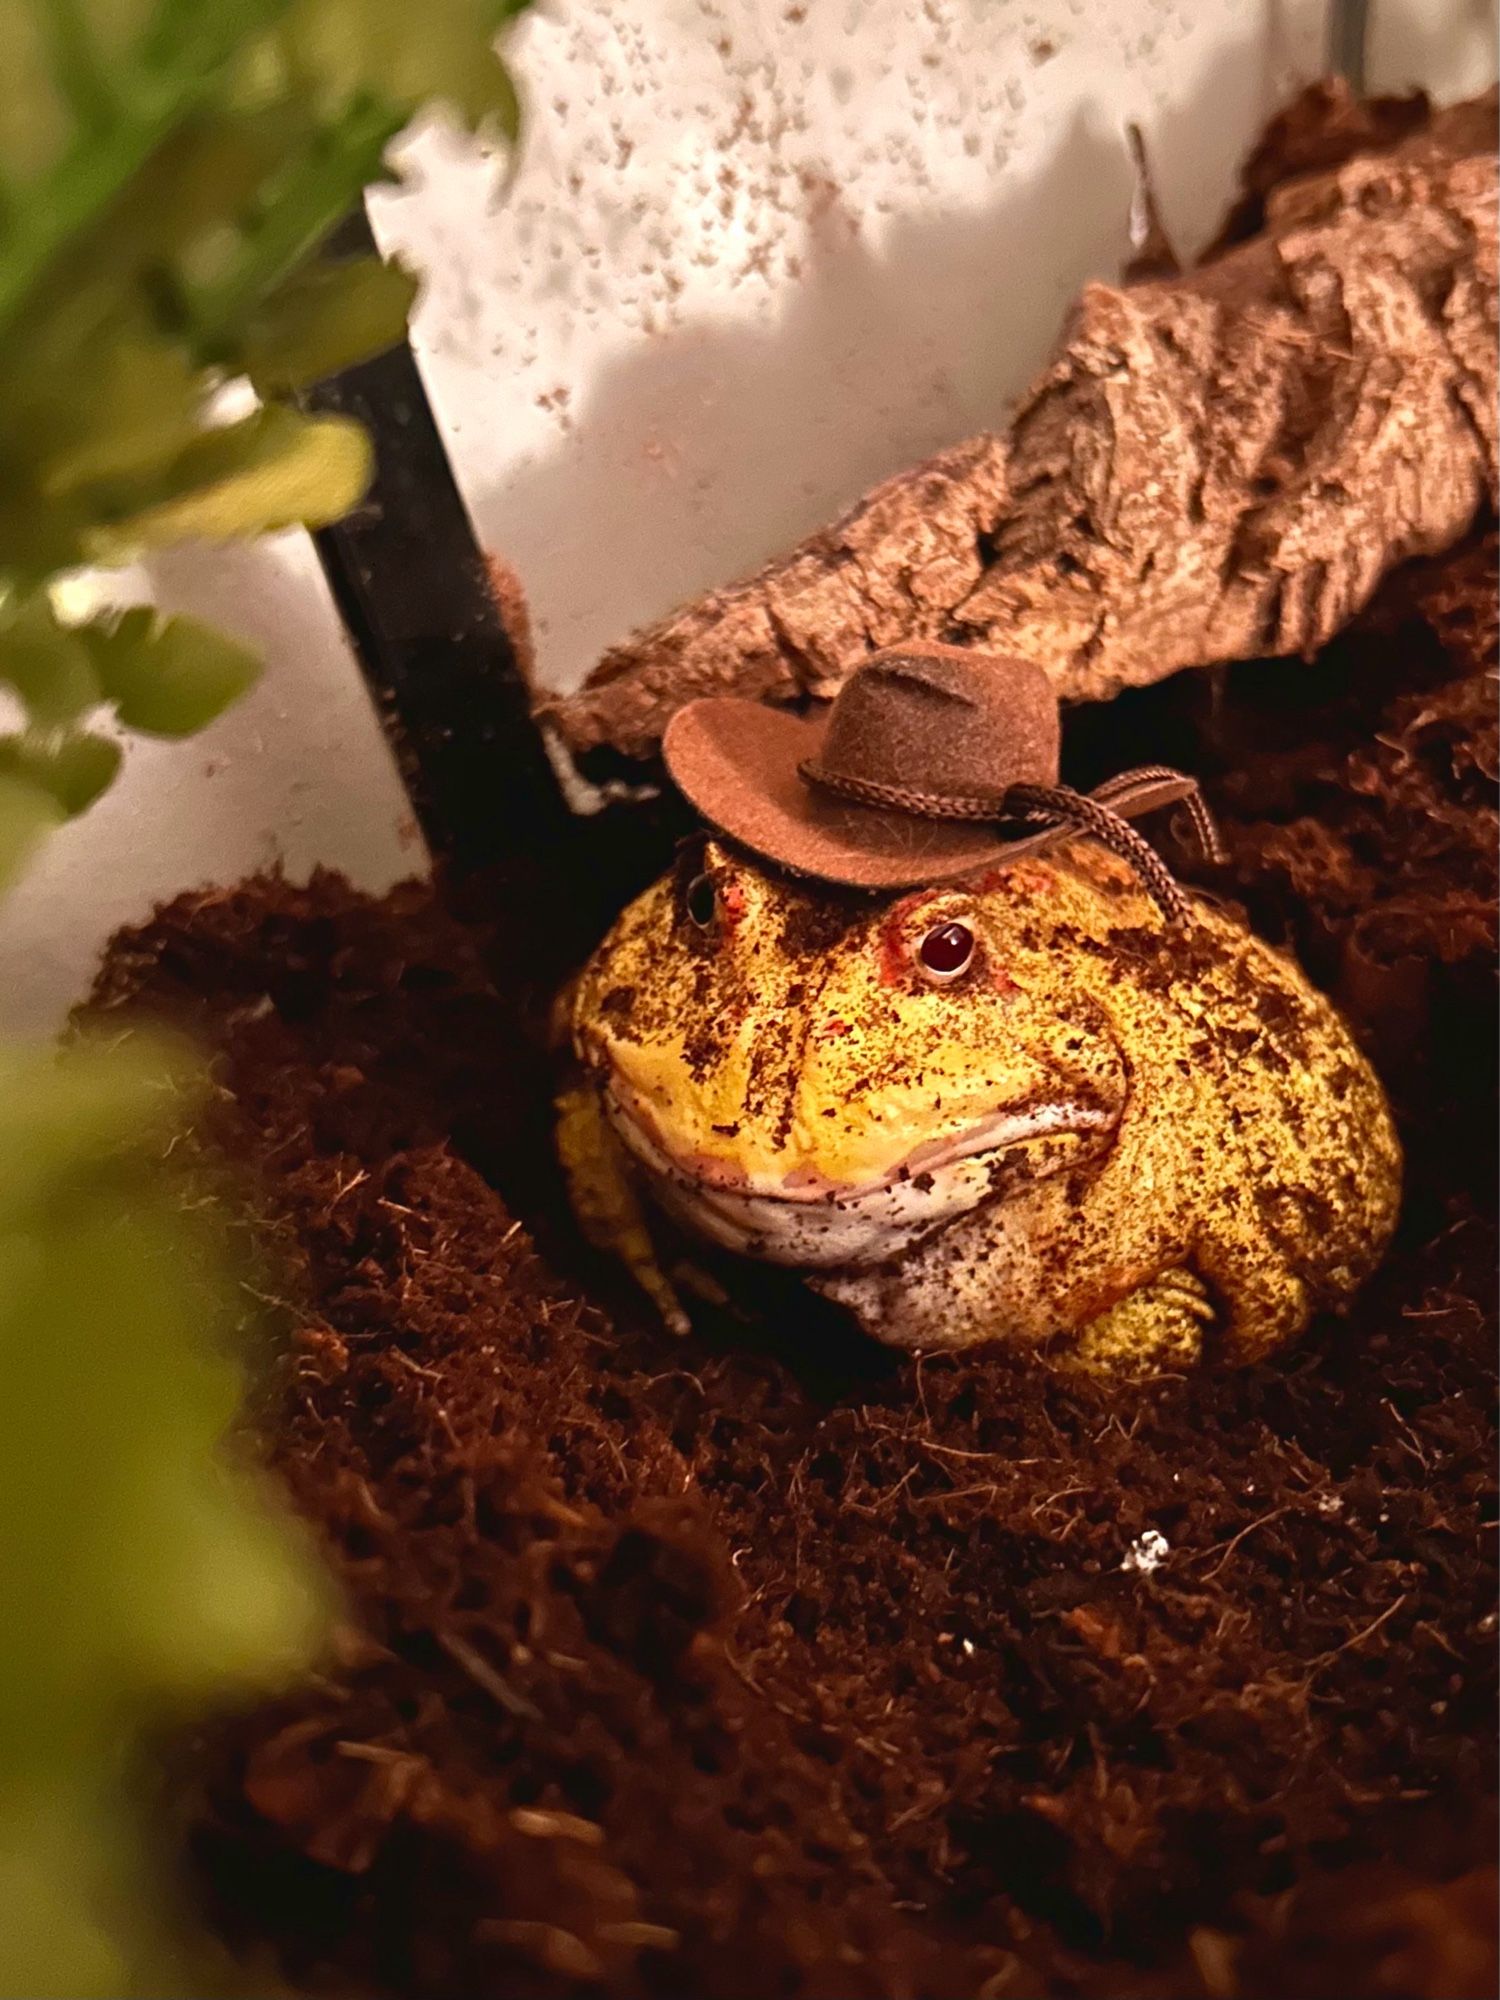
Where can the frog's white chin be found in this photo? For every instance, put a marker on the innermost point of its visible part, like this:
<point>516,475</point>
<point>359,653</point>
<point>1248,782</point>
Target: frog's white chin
<point>822,1227</point>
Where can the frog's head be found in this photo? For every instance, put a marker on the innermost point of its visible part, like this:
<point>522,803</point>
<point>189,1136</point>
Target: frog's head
<point>818,1078</point>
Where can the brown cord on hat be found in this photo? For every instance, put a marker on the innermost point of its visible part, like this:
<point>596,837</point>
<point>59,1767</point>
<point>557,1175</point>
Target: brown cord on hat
<point>1050,804</point>
<point>1205,830</point>
<point>1053,805</point>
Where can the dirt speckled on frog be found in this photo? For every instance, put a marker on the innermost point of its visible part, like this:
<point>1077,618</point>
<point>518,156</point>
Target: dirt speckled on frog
<point>1129,1145</point>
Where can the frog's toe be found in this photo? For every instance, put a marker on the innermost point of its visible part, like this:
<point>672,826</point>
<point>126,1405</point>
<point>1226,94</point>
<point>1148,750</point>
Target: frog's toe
<point>674,1318</point>
<point>690,1277</point>
<point>1159,1329</point>
<point>1184,1292</point>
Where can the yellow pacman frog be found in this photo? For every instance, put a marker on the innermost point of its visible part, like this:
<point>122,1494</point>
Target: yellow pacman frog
<point>1021,1106</point>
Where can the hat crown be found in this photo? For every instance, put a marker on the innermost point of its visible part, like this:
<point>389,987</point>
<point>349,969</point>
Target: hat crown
<point>945,723</point>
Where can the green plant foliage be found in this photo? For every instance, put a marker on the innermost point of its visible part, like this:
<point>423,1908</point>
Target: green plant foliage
<point>163,676</point>
<point>27,811</point>
<point>72,768</point>
<point>324,318</point>
<point>274,468</point>
<point>143,1571</point>
<point>167,676</point>
<point>168,169</point>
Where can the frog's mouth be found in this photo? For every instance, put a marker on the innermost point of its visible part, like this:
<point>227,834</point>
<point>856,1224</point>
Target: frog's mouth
<point>812,1223</point>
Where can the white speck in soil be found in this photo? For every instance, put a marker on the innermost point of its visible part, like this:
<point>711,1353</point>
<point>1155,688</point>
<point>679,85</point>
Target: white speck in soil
<point>1147,1552</point>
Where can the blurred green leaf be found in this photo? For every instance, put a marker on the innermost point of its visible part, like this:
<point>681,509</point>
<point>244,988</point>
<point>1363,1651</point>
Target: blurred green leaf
<point>324,319</point>
<point>62,1858</point>
<point>298,206</point>
<point>47,665</point>
<point>59,1113</point>
<point>94,408</point>
<point>508,112</point>
<point>145,1569</point>
<point>134,400</point>
<point>192,156</point>
<point>185,57</point>
<point>73,766</point>
<point>34,121</point>
<point>405,55</point>
<point>167,169</point>
<point>141,1562</point>
<point>168,676</point>
<point>27,811</point>
<point>272,470</point>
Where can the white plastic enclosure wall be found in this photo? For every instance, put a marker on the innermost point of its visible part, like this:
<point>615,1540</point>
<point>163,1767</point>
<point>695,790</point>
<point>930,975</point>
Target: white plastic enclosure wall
<point>757,254</point>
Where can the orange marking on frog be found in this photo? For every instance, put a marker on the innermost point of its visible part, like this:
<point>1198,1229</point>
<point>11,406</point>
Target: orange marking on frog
<point>1025,878</point>
<point>895,961</point>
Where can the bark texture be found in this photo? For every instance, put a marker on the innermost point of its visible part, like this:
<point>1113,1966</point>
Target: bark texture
<point>1217,465</point>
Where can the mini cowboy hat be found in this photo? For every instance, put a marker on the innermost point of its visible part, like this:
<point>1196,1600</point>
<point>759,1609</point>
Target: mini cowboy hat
<point>931,762</point>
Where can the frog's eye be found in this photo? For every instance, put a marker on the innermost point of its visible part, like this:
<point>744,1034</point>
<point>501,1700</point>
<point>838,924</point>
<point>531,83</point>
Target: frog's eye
<point>701,902</point>
<point>945,953</point>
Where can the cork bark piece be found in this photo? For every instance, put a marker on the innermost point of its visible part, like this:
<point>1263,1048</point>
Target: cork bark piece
<point>890,570</point>
<point>1218,465</point>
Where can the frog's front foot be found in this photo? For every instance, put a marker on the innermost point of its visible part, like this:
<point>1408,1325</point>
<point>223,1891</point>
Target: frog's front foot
<point>1156,1330</point>
<point>605,1201</point>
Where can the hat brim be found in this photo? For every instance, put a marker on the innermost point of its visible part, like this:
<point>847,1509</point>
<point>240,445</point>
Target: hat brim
<point>736,761</point>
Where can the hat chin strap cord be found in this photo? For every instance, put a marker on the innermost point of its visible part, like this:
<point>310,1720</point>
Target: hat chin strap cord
<point>1059,805</point>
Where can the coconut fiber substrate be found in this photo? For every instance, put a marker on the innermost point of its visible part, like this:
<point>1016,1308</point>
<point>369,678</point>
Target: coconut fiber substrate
<point>767,1662</point>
